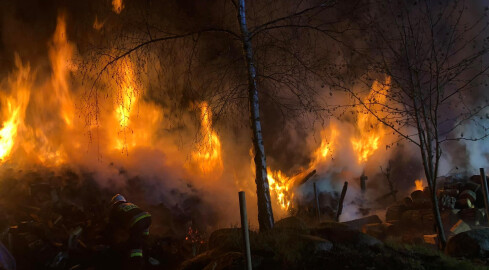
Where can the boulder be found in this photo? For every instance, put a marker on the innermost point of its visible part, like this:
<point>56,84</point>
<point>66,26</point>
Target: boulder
<point>315,244</point>
<point>469,244</point>
<point>199,262</point>
<point>347,237</point>
<point>228,261</point>
<point>291,223</point>
<point>378,230</point>
<point>228,238</point>
<point>358,224</point>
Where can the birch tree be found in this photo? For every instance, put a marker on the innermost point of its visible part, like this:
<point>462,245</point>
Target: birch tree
<point>304,17</point>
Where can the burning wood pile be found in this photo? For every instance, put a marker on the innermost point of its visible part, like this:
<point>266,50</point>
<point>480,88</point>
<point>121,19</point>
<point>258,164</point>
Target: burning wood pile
<point>461,203</point>
<point>59,220</point>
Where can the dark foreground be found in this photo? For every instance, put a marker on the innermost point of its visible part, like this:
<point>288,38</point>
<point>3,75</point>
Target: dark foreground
<point>50,221</point>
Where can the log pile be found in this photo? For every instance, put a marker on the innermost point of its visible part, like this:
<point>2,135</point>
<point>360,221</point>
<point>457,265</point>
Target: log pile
<point>461,204</point>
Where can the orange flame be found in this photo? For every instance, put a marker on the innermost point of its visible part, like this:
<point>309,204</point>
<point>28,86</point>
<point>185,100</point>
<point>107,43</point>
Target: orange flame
<point>327,142</point>
<point>60,53</point>
<point>371,131</point>
<point>280,185</point>
<point>208,154</point>
<point>117,6</point>
<point>419,184</point>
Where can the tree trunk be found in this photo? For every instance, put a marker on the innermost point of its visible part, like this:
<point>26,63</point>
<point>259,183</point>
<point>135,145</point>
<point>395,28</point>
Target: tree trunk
<point>439,224</point>
<point>265,214</point>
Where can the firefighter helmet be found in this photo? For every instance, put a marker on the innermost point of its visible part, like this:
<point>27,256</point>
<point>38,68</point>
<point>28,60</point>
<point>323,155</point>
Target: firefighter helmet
<point>118,198</point>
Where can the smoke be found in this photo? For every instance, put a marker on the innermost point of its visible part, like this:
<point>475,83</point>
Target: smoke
<point>135,130</point>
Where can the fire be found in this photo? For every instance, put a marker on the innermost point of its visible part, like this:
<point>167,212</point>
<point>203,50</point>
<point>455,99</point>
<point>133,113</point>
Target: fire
<point>208,154</point>
<point>60,53</point>
<point>127,96</point>
<point>15,111</point>
<point>280,185</point>
<point>327,142</point>
<point>117,6</point>
<point>419,184</point>
<point>371,131</point>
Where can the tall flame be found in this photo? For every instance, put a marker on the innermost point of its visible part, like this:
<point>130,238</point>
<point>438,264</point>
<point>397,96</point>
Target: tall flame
<point>282,185</point>
<point>208,154</point>
<point>14,109</point>
<point>60,53</point>
<point>370,130</point>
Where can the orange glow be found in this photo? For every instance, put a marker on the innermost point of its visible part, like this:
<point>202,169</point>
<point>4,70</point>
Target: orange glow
<point>15,110</point>
<point>117,6</point>
<point>419,184</point>
<point>208,154</point>
<point>327,143</point>
<point>60,53</point>
<point>280,185</point>
<point>370,129</point>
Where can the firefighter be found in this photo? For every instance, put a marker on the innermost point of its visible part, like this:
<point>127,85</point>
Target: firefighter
<point>134,222</point>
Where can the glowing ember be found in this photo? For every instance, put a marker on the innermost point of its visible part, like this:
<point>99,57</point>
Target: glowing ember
<point>370,130</point>
<point>208,154</point>
<point>419,184</point>
<point>117,6</point>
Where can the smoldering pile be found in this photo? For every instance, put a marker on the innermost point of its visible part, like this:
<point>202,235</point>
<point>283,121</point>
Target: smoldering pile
<point>57,220</point>
<point>461,204</point>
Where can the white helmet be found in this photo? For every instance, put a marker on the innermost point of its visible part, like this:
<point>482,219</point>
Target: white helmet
<point>118,198</point>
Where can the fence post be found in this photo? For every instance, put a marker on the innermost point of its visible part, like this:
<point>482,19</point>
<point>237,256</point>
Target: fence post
<point>317,202</point>
<point>244,228</point>
<point>485,191</point>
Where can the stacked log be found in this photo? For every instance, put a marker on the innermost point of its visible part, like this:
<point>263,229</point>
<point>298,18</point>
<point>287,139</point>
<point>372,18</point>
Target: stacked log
<point>460,200</point>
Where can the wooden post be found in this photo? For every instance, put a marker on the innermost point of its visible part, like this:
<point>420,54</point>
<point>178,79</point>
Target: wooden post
<point>317,202</point>
<point>340,203</point>
<point>363,179</point>
<point>485,191</point>
<point>244,227</point>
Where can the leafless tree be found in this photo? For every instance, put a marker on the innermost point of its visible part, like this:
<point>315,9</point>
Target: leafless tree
<point>267,58</point>
<point>435,54</point>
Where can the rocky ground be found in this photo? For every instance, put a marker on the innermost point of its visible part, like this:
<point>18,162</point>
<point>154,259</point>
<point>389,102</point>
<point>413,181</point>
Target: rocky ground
<point>57,221</point>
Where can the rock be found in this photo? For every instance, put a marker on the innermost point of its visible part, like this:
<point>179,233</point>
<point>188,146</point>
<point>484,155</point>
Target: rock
<point>332,225</point>
<point>378,230</point>
<point>316,244</point>
<point>228,261</point>
<point>469,244</point>
<point>291,223</point>
<point>229,239</point>
<point>357,224</point>
<point>347,236</point>
<point>460,227</point>
<point>198,262</point>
